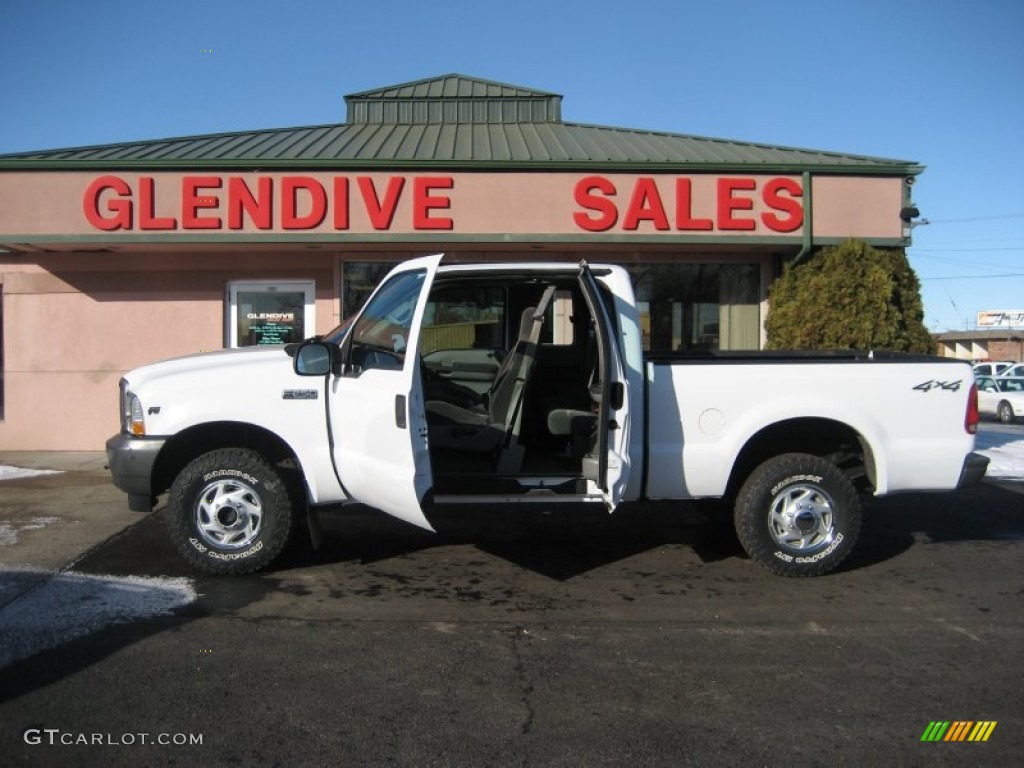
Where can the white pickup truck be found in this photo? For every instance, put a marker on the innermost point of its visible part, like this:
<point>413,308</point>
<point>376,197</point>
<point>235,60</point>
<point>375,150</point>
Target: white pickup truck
<point>527,383</point>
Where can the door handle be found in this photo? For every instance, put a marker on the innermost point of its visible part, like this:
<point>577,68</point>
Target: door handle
<point>400,421</point>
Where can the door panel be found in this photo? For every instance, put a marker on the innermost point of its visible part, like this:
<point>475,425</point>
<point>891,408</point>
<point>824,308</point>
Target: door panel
<point>611,472</point>
<point>377,415</point>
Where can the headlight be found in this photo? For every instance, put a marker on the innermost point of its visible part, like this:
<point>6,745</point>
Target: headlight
<point>131,413</point>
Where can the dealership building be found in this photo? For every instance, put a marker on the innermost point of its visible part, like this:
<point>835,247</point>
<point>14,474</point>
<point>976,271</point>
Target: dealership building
<point>118,255</point>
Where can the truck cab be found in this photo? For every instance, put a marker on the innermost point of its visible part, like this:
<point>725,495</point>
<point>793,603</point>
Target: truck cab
<point>476,384</point>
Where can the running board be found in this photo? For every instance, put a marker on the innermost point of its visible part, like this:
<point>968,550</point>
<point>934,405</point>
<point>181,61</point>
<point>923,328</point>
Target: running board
<point>538,496</point>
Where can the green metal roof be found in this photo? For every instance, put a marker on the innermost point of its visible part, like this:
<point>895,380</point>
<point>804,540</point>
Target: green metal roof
<point>454,121</point>
<point>454,99</point>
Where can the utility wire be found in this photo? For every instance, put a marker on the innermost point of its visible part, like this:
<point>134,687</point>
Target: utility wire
<point>973,277</point>
<point>977,218</point>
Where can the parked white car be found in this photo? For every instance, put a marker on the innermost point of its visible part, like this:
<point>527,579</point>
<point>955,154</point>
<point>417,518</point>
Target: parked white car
<point>992,368</point>
<point>1016,370</point>
<point>1002,397</point>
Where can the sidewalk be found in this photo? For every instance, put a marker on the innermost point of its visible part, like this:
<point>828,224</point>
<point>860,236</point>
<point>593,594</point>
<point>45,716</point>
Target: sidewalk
<point>47,522</point>
<point>64,461</point>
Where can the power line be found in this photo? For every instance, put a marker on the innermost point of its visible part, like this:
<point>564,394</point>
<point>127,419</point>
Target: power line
<point>976,250</point>
<point>964,262</point>
<point>973,277</point>
<point>977,218</point>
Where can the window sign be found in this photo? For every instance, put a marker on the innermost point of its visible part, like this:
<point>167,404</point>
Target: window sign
<point>265,312</point>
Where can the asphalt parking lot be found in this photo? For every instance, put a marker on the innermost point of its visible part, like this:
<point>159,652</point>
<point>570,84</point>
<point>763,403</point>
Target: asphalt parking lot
<point>561,638</point>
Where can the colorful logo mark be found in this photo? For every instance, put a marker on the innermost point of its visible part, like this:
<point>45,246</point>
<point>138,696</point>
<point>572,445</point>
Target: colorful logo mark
<point>958,730</point>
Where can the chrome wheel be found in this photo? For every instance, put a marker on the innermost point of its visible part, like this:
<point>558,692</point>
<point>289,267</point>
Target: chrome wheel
<point>228,514</point>
<point>801,518</point>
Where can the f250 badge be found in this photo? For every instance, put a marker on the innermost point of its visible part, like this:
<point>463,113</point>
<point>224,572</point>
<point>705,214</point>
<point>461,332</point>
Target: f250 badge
<point>949,386</point>
<point>299,394</point>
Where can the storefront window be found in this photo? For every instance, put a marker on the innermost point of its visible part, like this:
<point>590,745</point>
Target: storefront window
<point>358,279</point>
<point>270,312</point>
<point>698,307</point>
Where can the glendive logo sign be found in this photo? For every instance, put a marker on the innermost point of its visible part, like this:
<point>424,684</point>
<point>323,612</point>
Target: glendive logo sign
<point>958,730</point>
<point>295,203</point>
<point>666,204</point>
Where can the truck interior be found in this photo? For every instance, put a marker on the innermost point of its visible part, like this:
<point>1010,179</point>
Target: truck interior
<point>511,385</point>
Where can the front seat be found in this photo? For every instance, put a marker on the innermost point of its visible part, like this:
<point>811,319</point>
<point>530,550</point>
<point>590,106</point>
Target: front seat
<point>574,424</point>
<point>495,424</point>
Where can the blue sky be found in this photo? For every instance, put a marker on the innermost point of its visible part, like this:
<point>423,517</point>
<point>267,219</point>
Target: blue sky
<point>933,81</point>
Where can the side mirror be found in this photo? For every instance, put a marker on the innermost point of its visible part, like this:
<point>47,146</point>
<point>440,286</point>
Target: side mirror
<point>315,358</point>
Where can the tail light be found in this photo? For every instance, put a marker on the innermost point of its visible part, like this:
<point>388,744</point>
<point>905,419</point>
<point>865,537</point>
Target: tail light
<point>972,417</point>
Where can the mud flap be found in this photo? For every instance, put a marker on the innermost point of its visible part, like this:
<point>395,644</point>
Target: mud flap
<point>315,532</point>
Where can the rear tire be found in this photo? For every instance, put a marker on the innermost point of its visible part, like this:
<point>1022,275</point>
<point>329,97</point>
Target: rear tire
<point>229,512</point>
<point>797,515</point>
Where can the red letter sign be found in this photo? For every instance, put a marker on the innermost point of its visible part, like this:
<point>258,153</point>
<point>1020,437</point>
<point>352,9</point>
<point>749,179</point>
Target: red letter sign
<point>120,206</point>
<point>728,203</point>
<point>381,213</point>
<point>290,218</point>
<point>684,208</point>
<point>608,214</point>
<point>423,202</point>
<point>258,206</point>
<point>192,201</point>
<point>787,205</point>
<point>147,208</point>
<point>645,205</point>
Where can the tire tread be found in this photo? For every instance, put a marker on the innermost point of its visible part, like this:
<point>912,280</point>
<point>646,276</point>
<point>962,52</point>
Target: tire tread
<point>273,493</point>
<point>751,513</point>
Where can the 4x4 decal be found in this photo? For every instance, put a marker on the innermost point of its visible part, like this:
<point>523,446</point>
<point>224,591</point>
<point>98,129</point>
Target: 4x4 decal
<point>948,386</point>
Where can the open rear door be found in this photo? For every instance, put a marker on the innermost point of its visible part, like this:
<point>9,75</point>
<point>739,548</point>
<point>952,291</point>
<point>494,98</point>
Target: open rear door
<point>609,468</point>
<point>377,415</point>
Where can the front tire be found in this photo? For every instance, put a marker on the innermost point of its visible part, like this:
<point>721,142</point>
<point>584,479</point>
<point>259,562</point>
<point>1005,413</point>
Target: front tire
<point>1005,412</point>
<point>797,515</point>
<point>229,512</point>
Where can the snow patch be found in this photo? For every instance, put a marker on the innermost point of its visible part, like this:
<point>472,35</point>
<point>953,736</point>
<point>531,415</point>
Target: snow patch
<point>70,605</point>
<point>13,473</point>
<point>9,529</point>
<point>1006,455</point>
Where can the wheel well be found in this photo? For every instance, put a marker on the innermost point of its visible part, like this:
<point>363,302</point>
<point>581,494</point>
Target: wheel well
<point>202,438</point>
<point>831,440</point>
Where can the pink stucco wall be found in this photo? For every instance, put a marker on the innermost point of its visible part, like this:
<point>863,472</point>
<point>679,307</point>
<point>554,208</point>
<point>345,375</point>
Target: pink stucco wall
<point>851,206</point>
<point>74,323</point>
